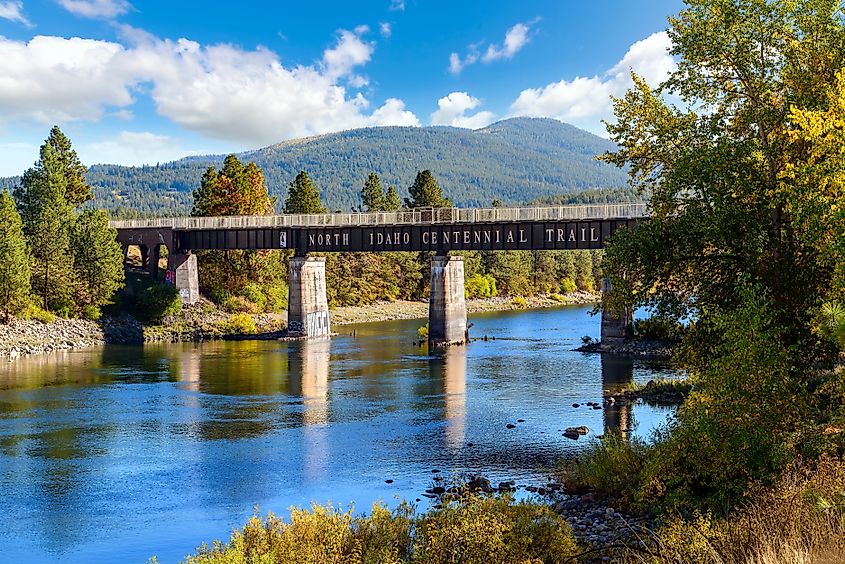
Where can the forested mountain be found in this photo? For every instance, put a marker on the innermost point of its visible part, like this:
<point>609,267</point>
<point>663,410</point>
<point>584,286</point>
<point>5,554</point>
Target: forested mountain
<point>516,160</point>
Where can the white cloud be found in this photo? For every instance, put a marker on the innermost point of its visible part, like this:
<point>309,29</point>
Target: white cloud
<point>452,111</point>
<point>220,91</point>
<point>585,101</point>
<point>397,5</point>
<point>132,148</point>
<point>53,79</point>
<point>516,38</point>
<point>351,51</point>
<point>384,28</point>
<point>12,10</point>
<point>104,9</point>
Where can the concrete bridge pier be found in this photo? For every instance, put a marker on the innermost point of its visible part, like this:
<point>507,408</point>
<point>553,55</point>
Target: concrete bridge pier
<point>615,325</point>
<point>308,308</point>
<point>153,258</point>
<point>185,278</point>
<point>447,309</point>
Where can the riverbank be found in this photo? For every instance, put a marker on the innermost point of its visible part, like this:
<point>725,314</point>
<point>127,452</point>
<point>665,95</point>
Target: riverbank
<point>205,321</point>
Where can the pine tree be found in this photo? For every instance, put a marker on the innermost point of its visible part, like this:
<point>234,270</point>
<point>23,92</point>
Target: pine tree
<point>391,200</point>
<point>372,194</point>
<point>14,266</point>
<point>47,221</point>
<point>426,193</point>
<point>98,259</point>
<point>303,196</point>
<point>77,190</point>
<point>584,271</point>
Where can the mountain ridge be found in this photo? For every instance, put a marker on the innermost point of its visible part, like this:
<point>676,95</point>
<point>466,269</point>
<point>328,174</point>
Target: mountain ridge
<point>516,160</point>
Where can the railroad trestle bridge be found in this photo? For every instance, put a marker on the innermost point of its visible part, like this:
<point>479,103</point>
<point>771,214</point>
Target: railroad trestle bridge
<point>442,231</point>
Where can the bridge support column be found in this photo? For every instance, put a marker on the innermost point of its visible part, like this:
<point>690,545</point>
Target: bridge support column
<point>308,308</point>
<point>152,261</point>
<point>615,325</point>
<point>447,309</point>
<point>184,267</point>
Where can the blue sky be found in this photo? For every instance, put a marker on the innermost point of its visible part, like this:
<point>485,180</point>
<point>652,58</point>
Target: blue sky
<point>136,82</point>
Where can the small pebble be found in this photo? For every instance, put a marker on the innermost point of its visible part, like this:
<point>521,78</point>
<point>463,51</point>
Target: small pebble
<point>388,481</point>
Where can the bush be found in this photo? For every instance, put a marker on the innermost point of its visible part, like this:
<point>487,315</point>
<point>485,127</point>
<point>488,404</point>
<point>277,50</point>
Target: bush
<point>519,301</point>
<point>611,467</point>
<point>32,311</point>
<point>156,302</point>
<point>240,324</point>
<point>480,286</point>
<point>658,329</point>
<point>91,312</point>
<point>482,530</point>
<point>567,286</point>
<point>422,332</point>
<point>558,298</point>
<point>240,304</point>
<point>832,323</point>
<point>277,298</point>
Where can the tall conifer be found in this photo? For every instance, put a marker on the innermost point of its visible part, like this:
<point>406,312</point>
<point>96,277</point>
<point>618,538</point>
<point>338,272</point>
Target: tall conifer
<point>303,196</point>
<point>14,266</point>
<point>372,195</point>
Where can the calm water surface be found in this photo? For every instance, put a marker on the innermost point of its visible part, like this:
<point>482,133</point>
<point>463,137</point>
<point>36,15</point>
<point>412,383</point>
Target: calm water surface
<point>119,453</point>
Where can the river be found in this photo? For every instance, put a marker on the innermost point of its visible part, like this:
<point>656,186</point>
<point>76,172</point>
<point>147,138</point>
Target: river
<point>121,453</point>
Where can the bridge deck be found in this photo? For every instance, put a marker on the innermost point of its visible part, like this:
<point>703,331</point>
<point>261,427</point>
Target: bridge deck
<point>429,216</point>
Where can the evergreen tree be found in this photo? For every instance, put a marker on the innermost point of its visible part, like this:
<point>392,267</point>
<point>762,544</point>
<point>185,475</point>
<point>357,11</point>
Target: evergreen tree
<point>391,200</point>
<point>98,259</point>
<point>14,266</point>
<point>303,196</point>
<point>77,190</point>
<point>426,193</point>
<point>372,194</point>
<point>47,220</point>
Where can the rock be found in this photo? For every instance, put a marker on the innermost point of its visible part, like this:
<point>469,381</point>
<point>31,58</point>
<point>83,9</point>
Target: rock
<point>576,405</point>
<point>570,434</point>
<point>510,426</point>
<point>520,420</point>
<point>435,471</point>
<point>470,444</point>
<point>596,407</point>
<point>438,490</point>
<point>388,481</point>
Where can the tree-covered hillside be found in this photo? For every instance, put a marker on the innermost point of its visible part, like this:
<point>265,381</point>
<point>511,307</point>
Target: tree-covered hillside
<point>516,160</point>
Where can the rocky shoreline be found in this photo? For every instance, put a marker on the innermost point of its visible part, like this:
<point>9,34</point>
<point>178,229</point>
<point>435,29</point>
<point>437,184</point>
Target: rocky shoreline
<point>638,348</point>
<point>601,529</point>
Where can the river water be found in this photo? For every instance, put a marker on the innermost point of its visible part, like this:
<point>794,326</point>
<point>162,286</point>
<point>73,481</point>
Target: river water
<point>121,453</point>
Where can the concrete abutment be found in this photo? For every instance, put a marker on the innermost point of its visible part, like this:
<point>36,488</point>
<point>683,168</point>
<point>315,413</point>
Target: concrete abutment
<point>447,309</point>
<point>308,308</point>
<point>615,325</point>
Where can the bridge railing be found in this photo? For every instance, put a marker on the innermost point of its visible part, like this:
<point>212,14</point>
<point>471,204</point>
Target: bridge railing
<point>421,216</point>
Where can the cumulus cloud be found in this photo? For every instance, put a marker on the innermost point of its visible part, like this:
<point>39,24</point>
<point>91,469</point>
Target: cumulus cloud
<point>516,38</point>
<point>12,10</point>
<point>221,91</point>
<point>103,9</point>
<point>451,110</point>
<point>585,101</point>
<point>132,148</point>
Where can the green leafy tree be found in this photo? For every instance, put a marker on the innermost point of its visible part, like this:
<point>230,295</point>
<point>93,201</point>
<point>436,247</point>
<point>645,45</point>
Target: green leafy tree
<point>391,200</point>
<point>372,194</point>
<point>303,196</point>
<point>98,259</point>
<point>745,232</point>
<point>14,267</point>
<point>47,220</point>
<point>426,193</point>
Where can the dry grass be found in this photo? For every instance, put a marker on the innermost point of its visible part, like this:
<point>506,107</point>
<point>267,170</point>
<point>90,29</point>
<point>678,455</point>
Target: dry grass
<point>799,520</point>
